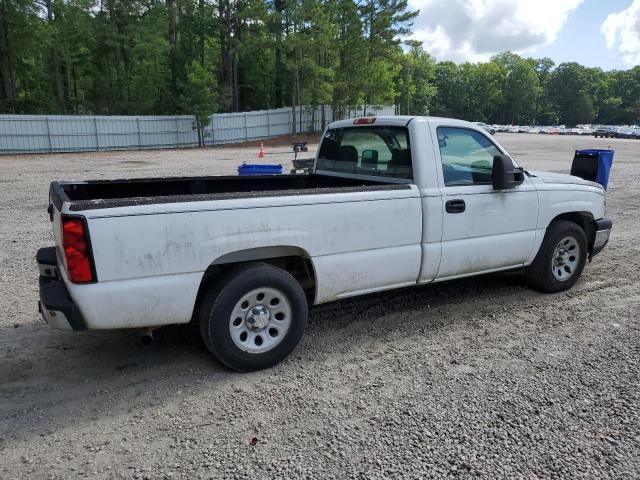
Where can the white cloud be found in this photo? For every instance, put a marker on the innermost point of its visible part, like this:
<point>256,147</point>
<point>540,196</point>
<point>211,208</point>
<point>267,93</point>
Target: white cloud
<point>622,31</point>
<point>473,30</point>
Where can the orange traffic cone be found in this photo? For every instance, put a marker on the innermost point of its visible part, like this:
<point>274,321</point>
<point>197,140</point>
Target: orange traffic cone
<point>261,152</point>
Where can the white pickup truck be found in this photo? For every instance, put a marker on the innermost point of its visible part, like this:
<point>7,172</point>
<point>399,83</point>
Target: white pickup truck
<point>391,202</point>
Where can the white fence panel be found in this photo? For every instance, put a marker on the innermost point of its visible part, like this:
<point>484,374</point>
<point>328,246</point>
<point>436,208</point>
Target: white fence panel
<point>280,122</point>
<point>117,133</point>
<point>68,133</point>
<point>256,124</point>
<point>241,127</point>
<point>80,133</point>
<point>21,132</point>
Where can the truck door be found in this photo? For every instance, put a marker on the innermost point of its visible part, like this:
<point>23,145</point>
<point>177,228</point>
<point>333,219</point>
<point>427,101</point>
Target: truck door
<point>483,229</point>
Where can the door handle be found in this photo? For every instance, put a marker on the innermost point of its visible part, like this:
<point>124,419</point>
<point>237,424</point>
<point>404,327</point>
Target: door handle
<point>455,206</point>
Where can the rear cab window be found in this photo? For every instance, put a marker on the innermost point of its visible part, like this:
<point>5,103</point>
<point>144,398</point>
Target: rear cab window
<point>371,150</point>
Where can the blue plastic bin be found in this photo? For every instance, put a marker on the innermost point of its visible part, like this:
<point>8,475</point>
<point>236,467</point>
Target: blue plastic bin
<point>255,169</point>
<point>597,162</point>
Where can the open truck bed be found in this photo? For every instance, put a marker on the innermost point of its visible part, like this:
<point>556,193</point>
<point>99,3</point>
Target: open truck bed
<point>96,194</point>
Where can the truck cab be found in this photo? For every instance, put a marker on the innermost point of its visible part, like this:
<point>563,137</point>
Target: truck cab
<point>474,220</point>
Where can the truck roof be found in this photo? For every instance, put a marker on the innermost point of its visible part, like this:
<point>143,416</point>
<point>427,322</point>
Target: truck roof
<point>398,120</point>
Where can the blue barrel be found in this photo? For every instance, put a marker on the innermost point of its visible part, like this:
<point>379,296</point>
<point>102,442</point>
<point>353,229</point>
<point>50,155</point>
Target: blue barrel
<point>255,169</point>
<point>597,162</point>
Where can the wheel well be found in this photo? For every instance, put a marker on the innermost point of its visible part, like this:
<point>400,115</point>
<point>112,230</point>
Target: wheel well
<point>583,219</point>
<point>294,261</point>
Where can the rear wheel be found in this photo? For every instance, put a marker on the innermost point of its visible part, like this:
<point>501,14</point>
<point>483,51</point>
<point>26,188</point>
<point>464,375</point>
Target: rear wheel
<point>254,317</point>
<point>561,258</point>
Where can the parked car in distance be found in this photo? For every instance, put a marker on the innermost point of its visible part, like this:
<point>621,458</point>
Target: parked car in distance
<point>624,132</point>
<point>487,127</point>
<point>390,202</point>
<point>579,130</point>
<point>604,132</point>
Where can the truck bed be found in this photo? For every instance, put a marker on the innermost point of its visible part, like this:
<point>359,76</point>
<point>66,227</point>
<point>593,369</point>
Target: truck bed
<point>95,194</point>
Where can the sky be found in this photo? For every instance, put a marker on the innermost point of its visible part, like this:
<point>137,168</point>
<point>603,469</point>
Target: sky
<point>595,33</point>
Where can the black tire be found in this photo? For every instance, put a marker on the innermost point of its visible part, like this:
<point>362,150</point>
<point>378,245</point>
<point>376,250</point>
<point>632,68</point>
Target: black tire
<point>540,275</point>
<point>220,301</point>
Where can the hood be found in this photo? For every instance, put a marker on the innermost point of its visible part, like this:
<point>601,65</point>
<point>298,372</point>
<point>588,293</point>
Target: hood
<point>563,179</point>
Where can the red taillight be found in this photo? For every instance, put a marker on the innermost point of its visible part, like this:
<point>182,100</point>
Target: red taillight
<point>364,121</point>
<point>76,250</point>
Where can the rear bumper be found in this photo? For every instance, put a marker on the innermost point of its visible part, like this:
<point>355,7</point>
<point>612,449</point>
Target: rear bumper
<point>601,236</point>
<point>55,305</point>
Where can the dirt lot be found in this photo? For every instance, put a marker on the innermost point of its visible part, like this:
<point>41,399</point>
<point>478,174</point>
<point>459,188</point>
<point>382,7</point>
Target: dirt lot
<point>479,378</point>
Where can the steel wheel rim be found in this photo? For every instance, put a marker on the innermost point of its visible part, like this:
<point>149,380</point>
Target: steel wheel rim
<point>260,320</point>
<point>565,259</point>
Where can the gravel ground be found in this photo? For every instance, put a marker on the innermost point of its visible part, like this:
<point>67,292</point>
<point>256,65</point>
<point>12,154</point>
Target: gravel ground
<point>481,378</point>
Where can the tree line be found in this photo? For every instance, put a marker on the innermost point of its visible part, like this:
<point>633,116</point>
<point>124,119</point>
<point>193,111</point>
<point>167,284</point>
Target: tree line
<point>204,56</point>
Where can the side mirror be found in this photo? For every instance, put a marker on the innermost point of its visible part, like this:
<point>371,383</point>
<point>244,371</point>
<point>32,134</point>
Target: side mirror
<point>504,175</point>
<point>370,158</point>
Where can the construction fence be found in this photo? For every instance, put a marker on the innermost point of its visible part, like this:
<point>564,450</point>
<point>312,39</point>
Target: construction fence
<point>80,133</point>
<point>86,133</point>
<point>244,126</point>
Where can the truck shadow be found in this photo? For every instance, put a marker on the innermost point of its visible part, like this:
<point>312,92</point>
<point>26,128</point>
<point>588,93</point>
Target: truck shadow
<point>49,380</point>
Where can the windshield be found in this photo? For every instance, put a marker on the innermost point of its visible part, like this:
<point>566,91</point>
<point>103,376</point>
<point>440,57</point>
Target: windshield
<point>373,151</point>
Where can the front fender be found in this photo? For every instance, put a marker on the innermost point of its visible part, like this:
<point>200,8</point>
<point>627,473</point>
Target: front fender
<point>553,204</point>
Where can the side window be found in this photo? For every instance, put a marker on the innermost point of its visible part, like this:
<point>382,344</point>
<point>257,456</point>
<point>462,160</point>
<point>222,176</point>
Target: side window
<point>467,156</point>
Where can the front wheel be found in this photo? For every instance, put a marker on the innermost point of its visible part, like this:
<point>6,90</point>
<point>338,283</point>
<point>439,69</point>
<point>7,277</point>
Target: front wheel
<point>254,317</point>
<point>561,258</point>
